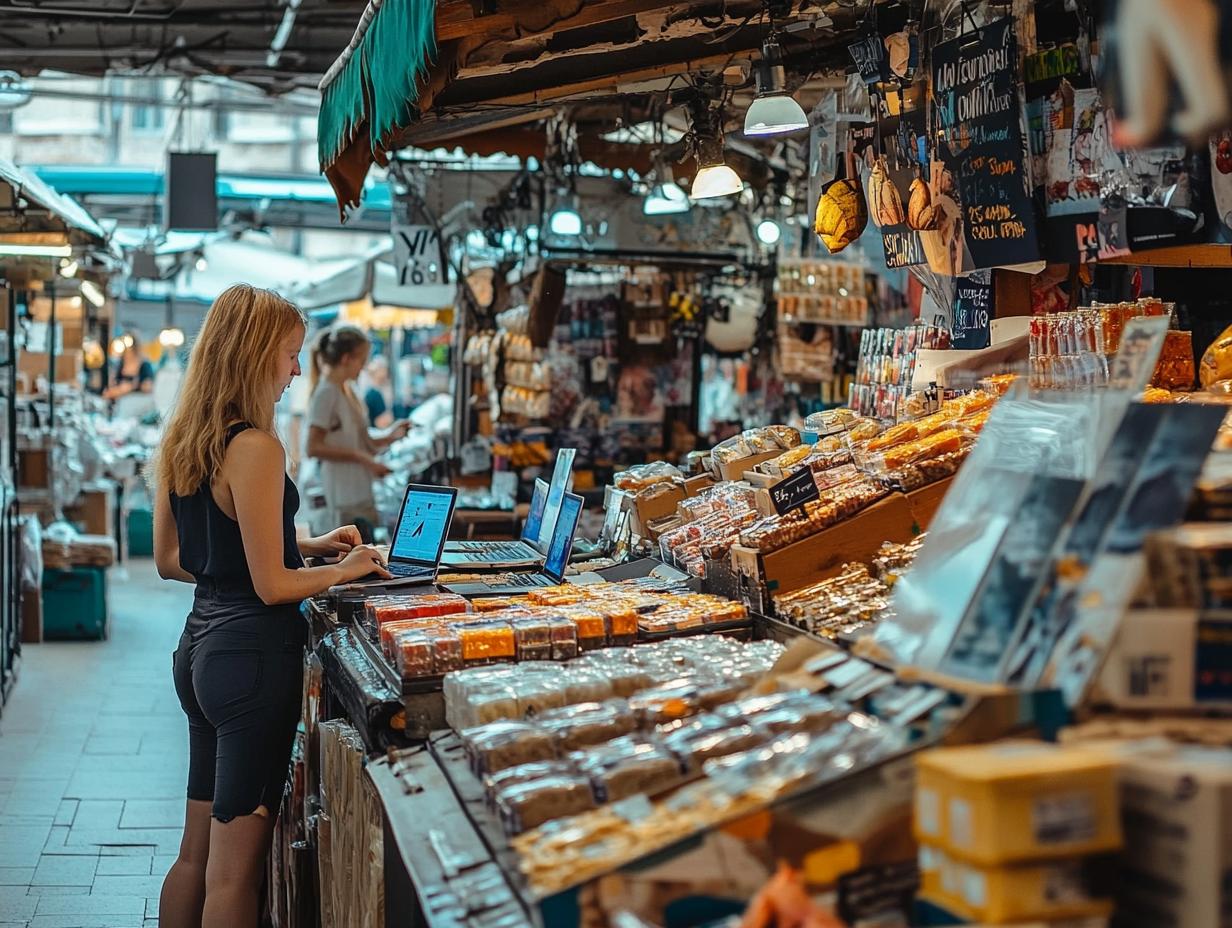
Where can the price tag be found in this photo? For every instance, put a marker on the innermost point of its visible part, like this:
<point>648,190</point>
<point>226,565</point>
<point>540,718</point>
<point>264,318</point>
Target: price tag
<point>794,491</point>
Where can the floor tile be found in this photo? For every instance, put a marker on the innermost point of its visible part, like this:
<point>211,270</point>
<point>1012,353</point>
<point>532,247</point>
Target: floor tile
<point>15,876</point>
<point>65,871</point>
<point>57,890</point>
<point>98,813</point>
<point>91,905</point>
<point>149,886</point>
<point>153,813</point>
<point>161,864</point>
<point>15,904</point>
<point>22,845</point>
<point>66,812</point>
<point>86,921</point>
<point>124,866</point>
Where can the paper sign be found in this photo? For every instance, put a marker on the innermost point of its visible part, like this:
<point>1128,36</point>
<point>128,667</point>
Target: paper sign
<point>1141,341</point>
<point>794,491</point>
<point>417,255</point>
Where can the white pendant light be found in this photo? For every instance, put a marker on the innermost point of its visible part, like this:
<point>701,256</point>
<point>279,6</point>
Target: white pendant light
<point>35,251</point>
<point>665,199</point>
<point>774,111</point>
<point>714,178</point>
<point>91,292</point>
<point>565,221</point>
<point>769,232</point>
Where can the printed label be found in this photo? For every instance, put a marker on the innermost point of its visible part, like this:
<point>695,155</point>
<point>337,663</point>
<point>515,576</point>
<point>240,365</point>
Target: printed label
<point>961,824</point>
<point>1065,819</point>
<point>928,811</point>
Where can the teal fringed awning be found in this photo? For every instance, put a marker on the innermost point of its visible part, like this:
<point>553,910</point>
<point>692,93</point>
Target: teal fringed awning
<point>375,89</point>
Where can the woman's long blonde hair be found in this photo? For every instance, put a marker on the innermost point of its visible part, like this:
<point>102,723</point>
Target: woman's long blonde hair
<point>229,379</point>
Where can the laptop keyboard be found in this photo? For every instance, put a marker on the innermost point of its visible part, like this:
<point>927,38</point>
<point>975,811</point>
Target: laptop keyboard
<point>526,580</point>
<point>408,570</point>
<point>495,550</point>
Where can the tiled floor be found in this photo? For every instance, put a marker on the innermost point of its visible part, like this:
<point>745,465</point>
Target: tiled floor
<point>93,761</point>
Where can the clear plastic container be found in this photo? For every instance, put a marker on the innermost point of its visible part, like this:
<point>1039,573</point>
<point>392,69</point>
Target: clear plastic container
<point>528,805</point>
<point>500,745</point>
<point>627,767</point>
<point>587,724</point>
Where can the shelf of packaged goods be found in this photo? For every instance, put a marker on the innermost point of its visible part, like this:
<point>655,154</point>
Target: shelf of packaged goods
<point>1192,256</point>
<point>848,323</point>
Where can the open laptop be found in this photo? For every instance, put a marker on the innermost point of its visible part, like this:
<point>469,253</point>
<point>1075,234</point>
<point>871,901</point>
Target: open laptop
<point>418,536</point>
<point>553,571</point>
<point>528,551</point>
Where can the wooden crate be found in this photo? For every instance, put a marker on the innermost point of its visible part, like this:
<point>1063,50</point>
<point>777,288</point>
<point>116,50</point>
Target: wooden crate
<point>735,470</point>
<point>926,501</point>
<point>823,555</point>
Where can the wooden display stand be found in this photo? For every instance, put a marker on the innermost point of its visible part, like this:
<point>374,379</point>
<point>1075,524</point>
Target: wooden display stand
<point>926,501</point>
<point>823,555</point>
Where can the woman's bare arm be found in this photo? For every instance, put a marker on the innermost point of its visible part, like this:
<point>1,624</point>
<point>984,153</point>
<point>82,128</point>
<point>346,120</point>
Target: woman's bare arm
<point>167,542</point>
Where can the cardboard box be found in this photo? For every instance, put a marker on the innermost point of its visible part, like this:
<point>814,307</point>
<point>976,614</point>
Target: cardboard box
<point>1016,801</point>
<point>823,555</point>
<point>695,485</point>
<point>34,467</point>
<point>1177,813</point>
<point>1051,890</point>
<point>31,616</point>
<point>94,511</point>
<point>1169,660</point>
<point>647,508</point>
<point>35,365</point>
<point>735,470</point>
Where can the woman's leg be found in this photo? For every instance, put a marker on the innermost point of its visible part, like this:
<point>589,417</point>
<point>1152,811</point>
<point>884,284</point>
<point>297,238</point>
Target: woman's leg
<point>236,867</point>
<point>183,894</point>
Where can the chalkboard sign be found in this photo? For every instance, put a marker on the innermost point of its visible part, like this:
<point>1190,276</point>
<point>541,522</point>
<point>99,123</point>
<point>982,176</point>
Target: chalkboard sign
<point>794,491</point>
<point>870,57</point>
<point>973,303</point>
<point>975,92</point>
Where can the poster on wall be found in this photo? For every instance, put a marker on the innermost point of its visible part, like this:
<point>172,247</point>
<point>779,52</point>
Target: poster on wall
<point>980,142</point>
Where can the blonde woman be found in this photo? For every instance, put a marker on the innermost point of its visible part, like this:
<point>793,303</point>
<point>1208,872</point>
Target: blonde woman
<point>224,520</point>
<point>338,434</point>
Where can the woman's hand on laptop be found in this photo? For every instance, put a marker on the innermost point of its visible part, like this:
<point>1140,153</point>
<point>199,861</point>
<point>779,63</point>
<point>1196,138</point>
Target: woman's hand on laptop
<point>362,561</point>
<point>332,545</point>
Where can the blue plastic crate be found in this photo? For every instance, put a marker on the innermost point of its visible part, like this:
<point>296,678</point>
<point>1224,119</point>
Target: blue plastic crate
<point>140,533</point>
<point>75,604</point>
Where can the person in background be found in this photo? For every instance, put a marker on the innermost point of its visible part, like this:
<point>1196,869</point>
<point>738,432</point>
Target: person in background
<point>133,374</point>
<point>339,437</point>
<point>379,397</point>
<point>224,520</point>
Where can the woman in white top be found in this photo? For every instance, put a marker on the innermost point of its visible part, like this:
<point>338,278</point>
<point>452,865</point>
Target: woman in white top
<point>338,434</point>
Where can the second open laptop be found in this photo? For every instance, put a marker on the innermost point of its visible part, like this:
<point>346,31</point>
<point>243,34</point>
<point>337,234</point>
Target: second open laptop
<point>418,537</point>
<point>530,550</point>
<point>553,572</point>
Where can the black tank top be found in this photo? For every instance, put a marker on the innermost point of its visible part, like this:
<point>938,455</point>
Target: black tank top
<point>211,547</point>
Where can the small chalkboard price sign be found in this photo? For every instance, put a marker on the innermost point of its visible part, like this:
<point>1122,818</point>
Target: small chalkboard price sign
<point>794,491</point>
<point>973,302</point>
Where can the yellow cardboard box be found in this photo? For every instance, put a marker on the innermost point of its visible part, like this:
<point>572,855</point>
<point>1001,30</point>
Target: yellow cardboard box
<point>1054,889</point>
<point>1016,801</point>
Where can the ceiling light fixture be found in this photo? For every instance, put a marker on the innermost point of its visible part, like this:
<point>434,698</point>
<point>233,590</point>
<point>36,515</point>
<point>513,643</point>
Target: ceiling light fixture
<point>201,264</point>
<point>171,338</point>
<point>774,111</point>
<point>714,178</point>
<point>665,199</point>
<point>68,268</point>
<point>769,232</point>
<point>565,221</point>
<point>35,251</point>
<point>91,292</point>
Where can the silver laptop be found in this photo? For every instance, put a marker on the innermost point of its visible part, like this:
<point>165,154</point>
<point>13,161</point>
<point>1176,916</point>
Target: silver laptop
<point>529,551</point>
<point>418,537</point>
<point>553,572</point>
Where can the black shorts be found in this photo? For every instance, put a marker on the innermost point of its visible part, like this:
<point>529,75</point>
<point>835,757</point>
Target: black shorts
<point>239,672</point>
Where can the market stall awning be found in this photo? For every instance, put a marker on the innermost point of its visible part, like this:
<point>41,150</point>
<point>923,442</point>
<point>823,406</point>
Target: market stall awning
<point>29,205</point>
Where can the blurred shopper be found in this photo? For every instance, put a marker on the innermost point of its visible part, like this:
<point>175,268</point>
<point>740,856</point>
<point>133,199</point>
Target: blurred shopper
<point>133,373</point>
<point>224,516</point>
<point>379,397</point>
<point>339,437</point>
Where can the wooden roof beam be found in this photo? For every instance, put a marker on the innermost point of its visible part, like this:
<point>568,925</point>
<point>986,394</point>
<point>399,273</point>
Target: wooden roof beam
<point>458,19</point>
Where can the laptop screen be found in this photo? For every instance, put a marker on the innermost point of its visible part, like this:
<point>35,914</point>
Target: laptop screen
<point>423,524</point>
<point>556,493</point>
<point>562,538</point>
<point>534,518</point>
